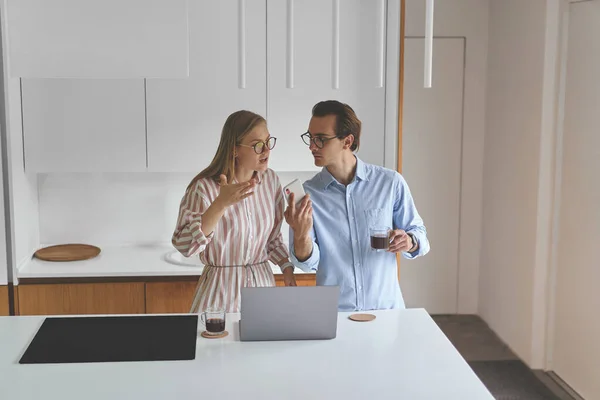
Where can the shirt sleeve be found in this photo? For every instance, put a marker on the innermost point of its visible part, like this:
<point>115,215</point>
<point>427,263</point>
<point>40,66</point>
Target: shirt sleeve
<point>312,262</point>
<point>407,218</point>
<point>188,237</point>
<point>278,253</point>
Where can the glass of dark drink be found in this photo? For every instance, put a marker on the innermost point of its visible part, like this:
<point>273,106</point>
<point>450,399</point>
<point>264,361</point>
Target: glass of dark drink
<point>380,238</point>
<point>214,320</point>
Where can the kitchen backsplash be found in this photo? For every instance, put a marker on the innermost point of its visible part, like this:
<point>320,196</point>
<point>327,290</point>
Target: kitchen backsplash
<point>116,208</point>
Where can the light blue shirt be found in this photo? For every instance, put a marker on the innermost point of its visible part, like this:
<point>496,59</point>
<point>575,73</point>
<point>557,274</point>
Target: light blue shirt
<point>342,253</point>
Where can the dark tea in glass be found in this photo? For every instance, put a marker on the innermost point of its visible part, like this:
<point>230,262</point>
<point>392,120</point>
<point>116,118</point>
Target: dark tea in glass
<point>214,320</point>
<point>380,238</point>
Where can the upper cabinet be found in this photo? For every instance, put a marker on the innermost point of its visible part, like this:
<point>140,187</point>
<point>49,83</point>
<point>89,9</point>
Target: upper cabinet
<point>84,125</point>
<point>276,58</point>
<point>321,50</point>
<point>227,73</point>
<point>97,39</point>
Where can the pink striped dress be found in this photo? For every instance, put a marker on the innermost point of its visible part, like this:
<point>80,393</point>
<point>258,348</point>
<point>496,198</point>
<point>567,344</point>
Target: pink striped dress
<point>237,252</point>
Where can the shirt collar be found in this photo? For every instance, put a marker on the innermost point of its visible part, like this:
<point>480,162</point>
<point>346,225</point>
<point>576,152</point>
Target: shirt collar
<point>257,175</point>
<point>361,170</point>
<point>361,174</point>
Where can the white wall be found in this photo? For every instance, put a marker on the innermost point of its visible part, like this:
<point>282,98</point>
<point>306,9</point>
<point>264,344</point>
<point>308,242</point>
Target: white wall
<point>468,19</point>
<point>576,327</point>
<point>518,173</point>
<point>23,201</point>
<point>432,157</point>
<point>3,258</point>
<point>116,208</point>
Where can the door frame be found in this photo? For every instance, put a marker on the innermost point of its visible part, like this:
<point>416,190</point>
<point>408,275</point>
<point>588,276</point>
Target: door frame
<point>400,97</point>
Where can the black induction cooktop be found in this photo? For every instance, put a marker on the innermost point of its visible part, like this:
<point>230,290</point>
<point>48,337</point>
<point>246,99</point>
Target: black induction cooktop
<point>113,339</point>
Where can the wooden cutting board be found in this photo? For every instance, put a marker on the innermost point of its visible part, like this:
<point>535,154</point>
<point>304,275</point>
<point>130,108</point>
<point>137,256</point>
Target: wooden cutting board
<point>67,252</point>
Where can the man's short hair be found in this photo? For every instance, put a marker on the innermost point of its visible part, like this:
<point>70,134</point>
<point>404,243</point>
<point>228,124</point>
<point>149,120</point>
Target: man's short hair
<point>346,122</point>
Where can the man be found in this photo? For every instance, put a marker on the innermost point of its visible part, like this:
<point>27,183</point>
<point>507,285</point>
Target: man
<point>329,228</point>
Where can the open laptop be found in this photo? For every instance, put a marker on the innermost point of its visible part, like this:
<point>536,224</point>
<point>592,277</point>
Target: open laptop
<point>289,313</point>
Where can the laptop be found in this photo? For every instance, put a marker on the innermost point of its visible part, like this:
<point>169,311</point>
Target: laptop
<point>289,313</point>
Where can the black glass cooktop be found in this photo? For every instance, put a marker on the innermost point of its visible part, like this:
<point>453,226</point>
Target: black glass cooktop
<point>113,338</point>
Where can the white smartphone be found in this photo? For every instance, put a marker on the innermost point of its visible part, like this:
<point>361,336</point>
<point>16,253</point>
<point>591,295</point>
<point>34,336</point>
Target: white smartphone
<point>295,187</point>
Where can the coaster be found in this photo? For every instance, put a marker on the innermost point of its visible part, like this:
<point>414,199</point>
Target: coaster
<point>362,317</point>
<point>222,335</point>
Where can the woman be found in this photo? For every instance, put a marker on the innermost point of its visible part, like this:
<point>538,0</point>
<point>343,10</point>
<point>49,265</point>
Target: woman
<point>231,214</point>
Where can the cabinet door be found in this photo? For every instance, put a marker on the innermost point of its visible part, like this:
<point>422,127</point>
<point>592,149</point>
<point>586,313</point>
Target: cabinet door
<point>79,125</point>
<point>432,142</point>
<point>227,73</point>
<point>81,298</point>
<point>170,297</point>
<point>316,52</point>
<point>97,39</point>
<point>4,309</point>
<point>301,280</point>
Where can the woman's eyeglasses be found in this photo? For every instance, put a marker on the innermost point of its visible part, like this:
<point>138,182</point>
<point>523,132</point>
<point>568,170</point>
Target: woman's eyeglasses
<point>259,147</point>
<point>319,141</point>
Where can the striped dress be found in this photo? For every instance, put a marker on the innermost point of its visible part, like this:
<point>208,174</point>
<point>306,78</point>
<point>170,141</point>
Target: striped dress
<point>237,252</point>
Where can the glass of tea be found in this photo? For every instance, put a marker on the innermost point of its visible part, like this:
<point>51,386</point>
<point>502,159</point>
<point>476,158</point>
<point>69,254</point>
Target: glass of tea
<point>213,320</point>
<point>380,238</point>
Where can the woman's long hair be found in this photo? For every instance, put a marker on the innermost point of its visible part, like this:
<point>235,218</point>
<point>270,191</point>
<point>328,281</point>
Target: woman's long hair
<point>236,127</point>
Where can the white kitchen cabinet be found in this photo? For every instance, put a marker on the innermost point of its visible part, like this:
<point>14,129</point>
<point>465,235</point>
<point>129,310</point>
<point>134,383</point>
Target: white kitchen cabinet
<point>431,154</point>
<point>331,50</point>
<point>80,125</point>
<point>227,73</point>
<point>97,39</point>
<point>239,59</point>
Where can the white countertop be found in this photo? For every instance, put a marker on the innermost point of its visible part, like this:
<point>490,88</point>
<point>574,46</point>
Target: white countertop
<point>402,354</point>
<point>121,261</point>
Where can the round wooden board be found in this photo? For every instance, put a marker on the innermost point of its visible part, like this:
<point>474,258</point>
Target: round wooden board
<point>362,317</point>
<point>206,335</point>
<point>67,252</point>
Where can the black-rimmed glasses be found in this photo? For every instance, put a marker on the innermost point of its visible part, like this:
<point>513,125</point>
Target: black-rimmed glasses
<point>259,147</point>
<point>319,141</point>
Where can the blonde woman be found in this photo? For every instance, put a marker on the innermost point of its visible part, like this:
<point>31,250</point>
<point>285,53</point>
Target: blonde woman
<point>231,215</point>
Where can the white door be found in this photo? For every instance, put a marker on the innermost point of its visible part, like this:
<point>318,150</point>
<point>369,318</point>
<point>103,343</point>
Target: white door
<point>84,125</point>
<point>227,74</point>
<point>431,160</point>
<point>319,52</point>
<point>576,353</point>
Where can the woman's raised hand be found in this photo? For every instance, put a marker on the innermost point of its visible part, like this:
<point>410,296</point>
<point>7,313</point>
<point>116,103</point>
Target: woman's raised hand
<point>231,193</point>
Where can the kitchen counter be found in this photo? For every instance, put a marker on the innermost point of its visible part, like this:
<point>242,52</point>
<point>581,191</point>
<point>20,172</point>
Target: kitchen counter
<point>402,354</point>
<point>119,261</point>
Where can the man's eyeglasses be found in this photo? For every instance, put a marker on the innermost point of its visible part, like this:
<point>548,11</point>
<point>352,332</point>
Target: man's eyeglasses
<point>319,141</point>
<point>259,147</point>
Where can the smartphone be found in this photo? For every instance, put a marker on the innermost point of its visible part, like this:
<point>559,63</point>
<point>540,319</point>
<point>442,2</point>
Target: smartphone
<point>295,187</point>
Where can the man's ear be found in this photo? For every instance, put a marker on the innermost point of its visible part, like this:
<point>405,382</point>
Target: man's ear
<point>348,141</point>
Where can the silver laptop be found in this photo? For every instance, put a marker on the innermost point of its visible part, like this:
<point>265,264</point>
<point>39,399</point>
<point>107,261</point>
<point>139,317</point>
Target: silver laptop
<point>289,313</point>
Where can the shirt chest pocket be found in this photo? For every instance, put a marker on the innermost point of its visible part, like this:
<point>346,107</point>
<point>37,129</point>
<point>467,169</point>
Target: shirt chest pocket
<point>378,218</point>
